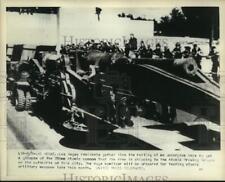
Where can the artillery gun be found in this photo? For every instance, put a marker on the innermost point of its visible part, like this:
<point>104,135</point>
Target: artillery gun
<point>179,83</point>
<point>18,69</point>
<point>94,91</point>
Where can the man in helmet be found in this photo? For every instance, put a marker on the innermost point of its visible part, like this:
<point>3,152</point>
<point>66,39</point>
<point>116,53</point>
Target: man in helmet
<point>167,54</point>
<point>133,42</point>
<point>126,48</point>
<point>177,54</point>
<point>214,55</point>
<point>197,55</point>
<point>142,50</point>
<point>123,113</point>
<point>149,52</point>
<point>187,52</point>
<point>158,52</point>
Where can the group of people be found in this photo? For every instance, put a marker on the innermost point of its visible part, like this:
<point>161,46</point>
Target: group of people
<point>104,46</point>
<point>131,50</point>
<point>195,52</point>
<point>163,52</point>
<point>177,53</point>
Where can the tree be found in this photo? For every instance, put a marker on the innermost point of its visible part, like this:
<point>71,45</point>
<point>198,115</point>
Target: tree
<point>173,24</point>
<point>200,22</point>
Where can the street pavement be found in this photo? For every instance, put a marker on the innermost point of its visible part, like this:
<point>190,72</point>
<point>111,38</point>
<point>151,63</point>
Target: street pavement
<point>25,131</point>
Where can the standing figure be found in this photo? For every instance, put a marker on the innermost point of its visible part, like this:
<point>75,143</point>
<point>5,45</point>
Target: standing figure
<point>149,52</point>
<point>187,52</point>
<point>123,113</point>
<point>158,52</point>
<point>215,63</point>
<point>142,50</point>
<point>167,54</point>
<point>177,54</point>
<point>197,55</point>
<point>117,48</point>
<point>126,48</point>
<point>168,114</point>
<point>133,42</point>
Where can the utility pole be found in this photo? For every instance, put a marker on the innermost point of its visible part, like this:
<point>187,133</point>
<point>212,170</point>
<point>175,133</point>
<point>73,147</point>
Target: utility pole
<point>98,12</point>
<point>211,34</point>
<point>58,46</point>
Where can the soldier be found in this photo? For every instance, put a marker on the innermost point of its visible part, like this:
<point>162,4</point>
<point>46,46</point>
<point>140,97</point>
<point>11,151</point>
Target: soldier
<point>149,52</point>
<point>197,55</point>
<point>157,52</point>
<point>101,46</point>
<point>168,113</point>
<point>111,107</point>
<point>215,62</point>
<point>142,50</point>
<point>123,113</point>
<point>93,45</point>
<point>63,50</point>
<point>167,54</point>
<point>133,42</point>
<point>110,46</point>
<point>177,54</point>
<point>187,52</point>
<point>117,48</point>
<point>107,47</point>
<point>127,49</point>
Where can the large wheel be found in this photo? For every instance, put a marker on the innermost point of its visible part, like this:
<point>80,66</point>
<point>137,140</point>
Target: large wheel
<point>28,101</point>
<point>20,100</point>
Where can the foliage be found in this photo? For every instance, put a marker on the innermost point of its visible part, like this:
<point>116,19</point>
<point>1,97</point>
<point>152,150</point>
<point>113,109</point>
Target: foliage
<point>190,21</point>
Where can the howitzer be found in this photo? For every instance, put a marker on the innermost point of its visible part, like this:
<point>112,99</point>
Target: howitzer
<point>178,83</point>
<point>108,96</point>
<point>183,67</point>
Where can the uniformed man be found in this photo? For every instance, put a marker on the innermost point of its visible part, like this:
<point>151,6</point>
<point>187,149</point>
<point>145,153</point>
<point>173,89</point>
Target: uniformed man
<point>149,52</point>
<point>111,106</point>
<point>126,48</point>
<point>142,50</point>
<point>63,50</point>
<point>93,45</point>
<point>197,55</point>
<point>177,54</point>
<point>167,54</point>
<point>158,52</point>
<point>187,52</point>
<point>106,46</point>
<point>102,46</point>
<point>133,42</point>
<point>123,113</point>
<point>215,62</point>
<point>168,114</point>
<point>117,48</point>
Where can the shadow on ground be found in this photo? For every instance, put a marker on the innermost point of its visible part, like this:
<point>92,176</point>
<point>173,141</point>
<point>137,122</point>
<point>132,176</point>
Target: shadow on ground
<point>98,137</point>
<point>113,141</point>
<point>204,139</point>
<point>103,139</point>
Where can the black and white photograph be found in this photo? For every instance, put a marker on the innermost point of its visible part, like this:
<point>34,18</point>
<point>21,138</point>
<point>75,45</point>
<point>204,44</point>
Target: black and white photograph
<point>113,78</point>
